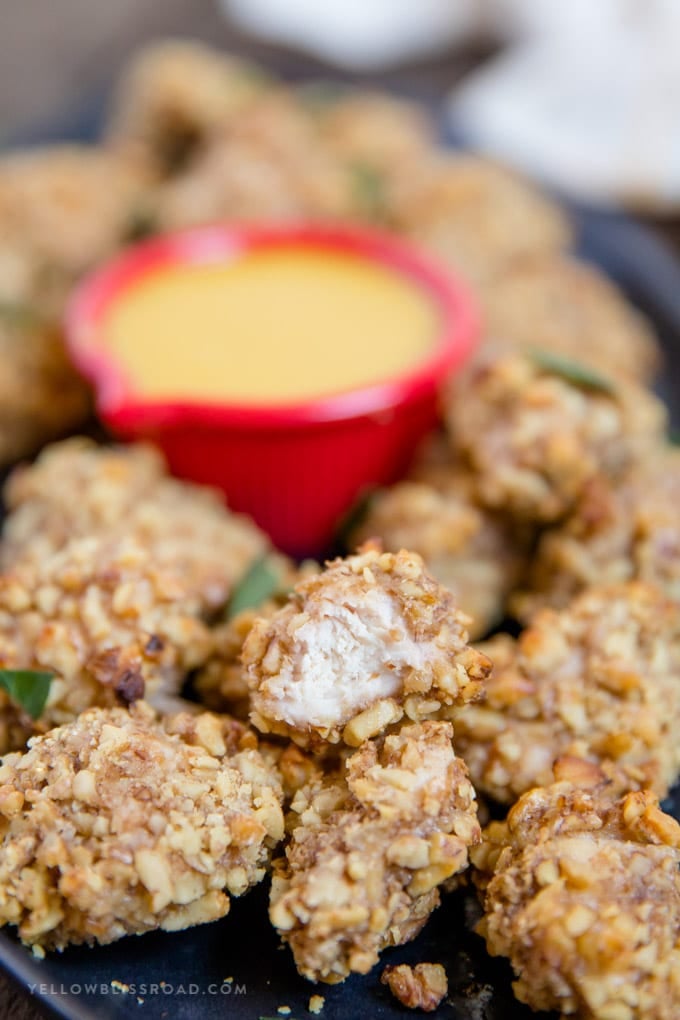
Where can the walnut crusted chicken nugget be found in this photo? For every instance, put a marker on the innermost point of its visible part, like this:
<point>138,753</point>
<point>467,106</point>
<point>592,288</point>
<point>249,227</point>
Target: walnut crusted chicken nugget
<point>221,683</point>
<point>62,209</point>
<point>616,531</point>
<point>585,901</point>
<point>118,824</point>
<point>106,620</point>
<point>371,639</point>
<point>369,848</point>
<point>598,680</point>
<point>174,96</point>
<point>271,164</point>
<point>535,436</point>
<point>473,552</point>
<point>477,216</point>
<point>557,304</point>
<point>126,493</point>
<point>41,395</point>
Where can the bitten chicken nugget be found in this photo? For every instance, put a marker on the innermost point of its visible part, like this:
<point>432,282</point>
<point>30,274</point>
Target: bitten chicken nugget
<point>369,848</point>
<point>371,639</point>
<point>535,436</point>
<point>119,824</point>
<point>585,901</point>
<point>222,684</point>
<point>598,680</point>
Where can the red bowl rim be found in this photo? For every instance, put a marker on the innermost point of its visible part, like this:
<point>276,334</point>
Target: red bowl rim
<point>122,408</point>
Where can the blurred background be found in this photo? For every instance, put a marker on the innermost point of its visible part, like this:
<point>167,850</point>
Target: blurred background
<point>583,96</point>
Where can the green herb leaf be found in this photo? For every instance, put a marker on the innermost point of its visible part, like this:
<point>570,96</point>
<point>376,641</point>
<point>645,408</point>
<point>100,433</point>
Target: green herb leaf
<point>17,314</point>
<point>574,372</point>
<point>674,437</point>
<point>356,515</point>
<point>369,190</point>
<point>257,585</point>
<point>27,687</point>
<point>322,93</point>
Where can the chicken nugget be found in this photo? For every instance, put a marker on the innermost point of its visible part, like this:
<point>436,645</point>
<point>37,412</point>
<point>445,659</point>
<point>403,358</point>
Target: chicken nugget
<point>535,435</point>
<point>118,824</point>
<point>557,304</point>
<point>617,531</point>
<point>584,900</point>
<point>598,680</point>
<point>369,848</point>
<point>477,217</point>
<point>174,96</point>
<point>477,554</point>
<point>371,639</point>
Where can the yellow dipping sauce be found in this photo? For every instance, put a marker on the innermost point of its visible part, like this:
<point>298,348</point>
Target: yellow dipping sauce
<point>273,326</point>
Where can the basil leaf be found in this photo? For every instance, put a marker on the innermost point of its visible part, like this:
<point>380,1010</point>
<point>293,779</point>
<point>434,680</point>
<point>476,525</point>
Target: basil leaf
<point>322,93</point>
<point>574,372</point>
<point>17,314</point>
<point>27,687</point>
<point>369,190</point>
<point>257,585</point>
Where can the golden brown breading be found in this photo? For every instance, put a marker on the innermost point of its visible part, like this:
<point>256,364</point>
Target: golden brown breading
<point>41,395</point>
<point>174,96</point>
<point>599,679</point>
<point>119,824</point>
<point>476,216</point>
<point>473,552</point>
<point>616,531</point>
<point>270,165</point>
<point>561,305</point>
<point>62,209</point>
<point>125,493</point>
<point>420,987</point>
<point>585,902</point>
<point>371,639</point>
<point>369,849</point>
<point>534,438</point>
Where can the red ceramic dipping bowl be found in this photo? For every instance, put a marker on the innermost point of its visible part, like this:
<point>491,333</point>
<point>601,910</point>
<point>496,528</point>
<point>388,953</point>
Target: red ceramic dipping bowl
<point>295,467</point>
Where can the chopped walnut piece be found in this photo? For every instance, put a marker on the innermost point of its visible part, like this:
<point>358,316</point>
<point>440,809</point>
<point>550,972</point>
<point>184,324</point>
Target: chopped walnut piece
<point>420,987</point>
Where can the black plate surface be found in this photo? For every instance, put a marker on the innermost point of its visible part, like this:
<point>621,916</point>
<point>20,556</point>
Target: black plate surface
<point>235,967</point>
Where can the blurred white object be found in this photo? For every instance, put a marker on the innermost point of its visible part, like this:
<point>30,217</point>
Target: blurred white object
<point>589,102</point>
<point>359,34</point>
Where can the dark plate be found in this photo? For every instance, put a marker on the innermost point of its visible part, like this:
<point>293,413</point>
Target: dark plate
<point>236,967</point>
